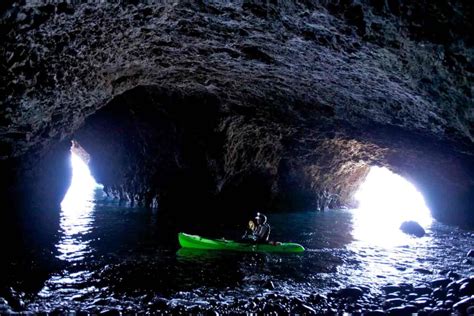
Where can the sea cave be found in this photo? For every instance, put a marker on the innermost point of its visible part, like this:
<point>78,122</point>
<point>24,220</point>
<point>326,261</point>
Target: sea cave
<point>165,156</point>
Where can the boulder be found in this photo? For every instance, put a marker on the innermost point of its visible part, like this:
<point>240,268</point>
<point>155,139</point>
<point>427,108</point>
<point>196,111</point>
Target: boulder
<point>412,228</point>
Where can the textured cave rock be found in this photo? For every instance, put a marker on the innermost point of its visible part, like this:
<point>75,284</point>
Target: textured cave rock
<point>246,104</point>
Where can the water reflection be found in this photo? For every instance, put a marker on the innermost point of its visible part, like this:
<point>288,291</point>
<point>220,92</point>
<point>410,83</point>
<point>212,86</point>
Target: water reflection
<point>77,213</point>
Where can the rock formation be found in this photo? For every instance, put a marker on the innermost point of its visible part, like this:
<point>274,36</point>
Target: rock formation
<point>247,104</point>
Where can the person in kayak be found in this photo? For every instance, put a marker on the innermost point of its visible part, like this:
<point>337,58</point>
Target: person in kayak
<point>258,231</point>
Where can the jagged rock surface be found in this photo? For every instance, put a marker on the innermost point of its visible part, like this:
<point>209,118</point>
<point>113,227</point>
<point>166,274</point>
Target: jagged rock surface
<point>283,105</point>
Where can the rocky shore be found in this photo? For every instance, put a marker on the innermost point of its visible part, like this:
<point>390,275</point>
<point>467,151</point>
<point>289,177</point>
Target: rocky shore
<point>446,295</point>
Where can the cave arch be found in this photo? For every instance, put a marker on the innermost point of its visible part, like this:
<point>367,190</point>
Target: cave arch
<point>194,149</point>
<point>190,147</point>
<point>299,114</point>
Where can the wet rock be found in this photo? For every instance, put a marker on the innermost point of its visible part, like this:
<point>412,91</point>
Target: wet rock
<point>453,286</point>
<point>391,288</point>
<point>439,293</point>
<point>375,313</point>
<point>440,282</point>
<point>269,285</point>
<point>5,309</point>
<point>412,296</point>
<point>406,287</point>
<point>14,299</point>
<point>453,275</point>
<point>112,312</point>
<point>350,292</point>
<point>440,312</point>
<point>448,303</point>
<point>273,308</point>
<point>412,228</point>
<point>394,302</point>
<point>250,306</point>
<point>452,297</point>
<point>470,310</point>
<point>470,253</point>
<point>3,301</point>
<point>467,288</point>
<point>393,295</point>
<point>422,290</point>
<point>423,271</point>
<point>402,310</point>
<point>421,302</point>
<point>462,305</point>
<point>304,309</point>
<point>158,303</point>
<point>317,298</point>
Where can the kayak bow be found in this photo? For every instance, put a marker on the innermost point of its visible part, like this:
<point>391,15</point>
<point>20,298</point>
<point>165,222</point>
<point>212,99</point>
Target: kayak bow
<point>197,242</point>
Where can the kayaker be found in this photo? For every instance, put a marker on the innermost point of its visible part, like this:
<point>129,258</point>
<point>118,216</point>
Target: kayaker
<point>258,232</point>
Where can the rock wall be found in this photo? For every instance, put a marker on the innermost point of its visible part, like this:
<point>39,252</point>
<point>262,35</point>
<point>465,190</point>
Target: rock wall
<point>251,103</point>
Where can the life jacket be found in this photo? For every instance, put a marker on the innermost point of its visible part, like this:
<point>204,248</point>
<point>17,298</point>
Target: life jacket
<point>262,232</point>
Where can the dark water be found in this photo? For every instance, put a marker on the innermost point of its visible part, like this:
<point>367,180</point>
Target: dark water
<point>105,254</point>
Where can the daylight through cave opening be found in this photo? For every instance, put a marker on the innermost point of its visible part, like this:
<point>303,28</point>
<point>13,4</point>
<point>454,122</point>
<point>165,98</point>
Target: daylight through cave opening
<point>386,200</point>
<point>83,185</point>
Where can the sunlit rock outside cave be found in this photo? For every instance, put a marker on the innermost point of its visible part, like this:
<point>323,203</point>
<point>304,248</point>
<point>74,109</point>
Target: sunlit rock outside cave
<point>242,157</point>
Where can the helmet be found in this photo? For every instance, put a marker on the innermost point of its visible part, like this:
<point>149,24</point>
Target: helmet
<point>261,217</point>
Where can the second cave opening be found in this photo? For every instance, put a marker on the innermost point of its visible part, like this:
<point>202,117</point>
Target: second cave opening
<point>386,200</point>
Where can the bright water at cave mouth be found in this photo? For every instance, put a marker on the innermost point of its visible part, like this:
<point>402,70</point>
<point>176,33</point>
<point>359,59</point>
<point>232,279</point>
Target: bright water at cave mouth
<point>76,219</point>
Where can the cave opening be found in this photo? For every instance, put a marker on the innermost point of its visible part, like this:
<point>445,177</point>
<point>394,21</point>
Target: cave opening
<point>76,218</point>
<point>83,185</point>
<point>386,200</point>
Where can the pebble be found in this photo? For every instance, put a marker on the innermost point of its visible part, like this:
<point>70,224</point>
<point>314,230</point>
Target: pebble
<point>407,287</point>
<point>412,296</point>
<point>439,297</point>
<point>402,310</point>
<point>453,275</point>
<point>422,290</point>
<point>394,302</point>
<point>453,286</point>
<point>304,310</point>
<point>421,302</point>
<point>377,312</point>
<point>467,288</point>
<point>440,312</point>
<point>462,305</point>
<point>317,298</point>
<point>112,312</point>
<point>391,288</point>
<point>351,292</point>
<point>440,282</point>
<point>448,303</point>
<point>470,310</point>
<point>423,271</point>
<point>439,293</point>
<point>270,285</point>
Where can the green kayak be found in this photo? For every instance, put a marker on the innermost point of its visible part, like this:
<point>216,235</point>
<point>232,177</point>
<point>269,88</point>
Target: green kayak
<point>197,242</point>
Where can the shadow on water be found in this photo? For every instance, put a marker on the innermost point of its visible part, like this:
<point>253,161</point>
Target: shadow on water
<point>27,246</point>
